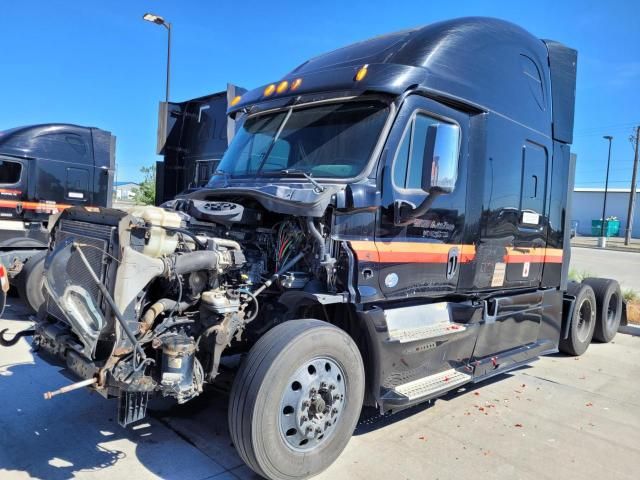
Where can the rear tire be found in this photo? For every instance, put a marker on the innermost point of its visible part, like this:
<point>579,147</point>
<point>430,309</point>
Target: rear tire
<point>30,282</point>
<point>296,399</point>
<point>609,311</point>
<point>583,320</point>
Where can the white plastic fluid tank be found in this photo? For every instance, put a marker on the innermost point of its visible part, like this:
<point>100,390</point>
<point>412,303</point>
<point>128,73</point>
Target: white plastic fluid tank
<point>160,242</point>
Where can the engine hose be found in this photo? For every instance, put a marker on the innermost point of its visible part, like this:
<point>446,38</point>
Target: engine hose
<point>255,300</point>
<point>162,305</point>
<point>194,261</point>
<point>313,230</point>
<point>187,233</point>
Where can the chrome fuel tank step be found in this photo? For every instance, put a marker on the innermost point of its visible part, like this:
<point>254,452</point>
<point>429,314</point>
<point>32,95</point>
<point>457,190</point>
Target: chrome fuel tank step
<point>420,322</point>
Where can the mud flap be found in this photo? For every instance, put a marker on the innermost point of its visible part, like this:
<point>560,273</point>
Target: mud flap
<point>132,407</point>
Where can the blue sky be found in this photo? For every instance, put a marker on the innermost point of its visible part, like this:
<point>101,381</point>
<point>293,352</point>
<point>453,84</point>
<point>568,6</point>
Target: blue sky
<point>98,63</point>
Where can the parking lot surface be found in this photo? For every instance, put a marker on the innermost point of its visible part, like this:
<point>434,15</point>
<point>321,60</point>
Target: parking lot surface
<point>623,266</point>
<point>562,417</point>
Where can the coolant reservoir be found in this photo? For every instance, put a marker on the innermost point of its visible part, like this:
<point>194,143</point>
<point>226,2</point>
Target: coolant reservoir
<point>160,242</point>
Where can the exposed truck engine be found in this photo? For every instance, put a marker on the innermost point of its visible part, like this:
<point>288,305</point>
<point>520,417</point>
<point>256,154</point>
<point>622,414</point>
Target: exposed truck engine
<point>148,301</point>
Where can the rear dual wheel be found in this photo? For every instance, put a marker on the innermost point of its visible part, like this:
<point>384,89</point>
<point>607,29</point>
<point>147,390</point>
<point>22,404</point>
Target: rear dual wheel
<point>596,314</point>
<point>609,307</point>
<point>296,399</point>
<point>583,320</point>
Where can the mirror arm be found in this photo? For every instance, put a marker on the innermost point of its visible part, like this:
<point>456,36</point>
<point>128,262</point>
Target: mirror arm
<point>420,210</point>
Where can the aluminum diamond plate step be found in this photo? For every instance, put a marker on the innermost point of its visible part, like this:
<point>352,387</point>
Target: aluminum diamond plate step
<point>433,385</point>
<point>425,333</point>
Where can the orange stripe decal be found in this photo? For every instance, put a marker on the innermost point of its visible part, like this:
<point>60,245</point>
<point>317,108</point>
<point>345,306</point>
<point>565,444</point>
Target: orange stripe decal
<point>409,252</point>
<point>422,252</point>
<point>42,206</point>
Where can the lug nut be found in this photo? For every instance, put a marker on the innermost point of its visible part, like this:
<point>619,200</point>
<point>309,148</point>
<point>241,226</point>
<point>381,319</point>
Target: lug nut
<point>336,396</point>
<point>303,419</point>
<point>313,391</point>
<point>318,430</point>
<point>334,410</point>
<point>306,404</point>
<point>332,387</point>
<point>323,384</point>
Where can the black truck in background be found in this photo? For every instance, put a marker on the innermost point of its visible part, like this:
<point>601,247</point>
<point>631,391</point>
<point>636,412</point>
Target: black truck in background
<point>45,169</point>
<point>192,137</point>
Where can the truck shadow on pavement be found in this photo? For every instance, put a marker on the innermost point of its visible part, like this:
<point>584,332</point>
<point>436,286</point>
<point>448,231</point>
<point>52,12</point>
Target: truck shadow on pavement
<point>78,433</point>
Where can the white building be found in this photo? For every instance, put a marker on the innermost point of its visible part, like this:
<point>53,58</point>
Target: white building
<point>587,206</point>
<point>124,190</point>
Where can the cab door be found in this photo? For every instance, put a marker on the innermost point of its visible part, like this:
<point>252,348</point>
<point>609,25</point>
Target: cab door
<point>420,255</point>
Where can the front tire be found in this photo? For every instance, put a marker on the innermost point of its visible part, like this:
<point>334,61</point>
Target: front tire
<point>296,399</point>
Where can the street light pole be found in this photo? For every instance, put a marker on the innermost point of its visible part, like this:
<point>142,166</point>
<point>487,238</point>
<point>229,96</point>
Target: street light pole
<point>158,20</point>
<point>603,238</point>
<point>168,26</point>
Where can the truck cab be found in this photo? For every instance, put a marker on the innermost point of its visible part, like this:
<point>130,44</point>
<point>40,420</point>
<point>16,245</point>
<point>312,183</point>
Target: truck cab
<point>45,169</point>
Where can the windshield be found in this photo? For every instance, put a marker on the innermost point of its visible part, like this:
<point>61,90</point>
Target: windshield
<point>334,140</point>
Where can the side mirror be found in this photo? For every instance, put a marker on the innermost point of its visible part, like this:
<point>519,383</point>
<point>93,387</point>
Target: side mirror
<point>440,158</point>
<point>439,170</point>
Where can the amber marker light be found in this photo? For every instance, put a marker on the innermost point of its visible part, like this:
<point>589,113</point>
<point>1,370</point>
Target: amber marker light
<point>361,73</point>
<point>269,90</point>
<point>282,86</point>
<point>296,84</point>
<point>236,100</point>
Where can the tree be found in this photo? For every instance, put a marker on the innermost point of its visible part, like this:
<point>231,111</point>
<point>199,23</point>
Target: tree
<point>145,193</point>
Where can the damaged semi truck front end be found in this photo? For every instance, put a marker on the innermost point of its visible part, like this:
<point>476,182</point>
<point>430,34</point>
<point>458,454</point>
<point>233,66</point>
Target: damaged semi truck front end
<point>389,223</point>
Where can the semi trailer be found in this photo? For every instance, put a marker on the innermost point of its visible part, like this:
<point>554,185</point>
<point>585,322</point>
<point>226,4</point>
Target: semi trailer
<point>389,223</point>
<point>45,169</point>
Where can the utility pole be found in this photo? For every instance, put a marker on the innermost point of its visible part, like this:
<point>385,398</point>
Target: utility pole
<point>632,193</point>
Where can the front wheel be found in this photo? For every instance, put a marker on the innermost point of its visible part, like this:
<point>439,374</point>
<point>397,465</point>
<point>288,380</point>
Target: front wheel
<point>296,399</point>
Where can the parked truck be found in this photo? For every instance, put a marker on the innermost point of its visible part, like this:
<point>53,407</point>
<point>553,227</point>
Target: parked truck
<point>45,169</point>
<point>389,223</point>
<point>192,137</point>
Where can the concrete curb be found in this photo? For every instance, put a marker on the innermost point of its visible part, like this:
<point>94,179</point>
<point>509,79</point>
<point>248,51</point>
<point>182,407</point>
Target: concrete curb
<point>614,249</point>
<point>630,330</point>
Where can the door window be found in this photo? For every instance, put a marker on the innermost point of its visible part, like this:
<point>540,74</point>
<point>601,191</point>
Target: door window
<point>10,172</point>
<point>407,170</point>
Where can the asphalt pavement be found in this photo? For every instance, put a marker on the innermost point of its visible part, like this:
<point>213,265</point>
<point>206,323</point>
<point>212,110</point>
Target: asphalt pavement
<point>559,418</point>
<point>622,266</point>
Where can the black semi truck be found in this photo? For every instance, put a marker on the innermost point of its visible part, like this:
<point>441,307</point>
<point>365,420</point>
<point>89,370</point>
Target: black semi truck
<point>389,223</point>
<point>192,137</point>
<point>45,169</point>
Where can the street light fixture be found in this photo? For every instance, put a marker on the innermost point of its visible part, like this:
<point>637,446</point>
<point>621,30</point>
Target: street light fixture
<point>158,20</point>
<point>603,239</point>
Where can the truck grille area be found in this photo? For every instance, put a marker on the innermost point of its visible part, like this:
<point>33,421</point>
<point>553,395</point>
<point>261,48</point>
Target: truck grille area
<point>94,240</point>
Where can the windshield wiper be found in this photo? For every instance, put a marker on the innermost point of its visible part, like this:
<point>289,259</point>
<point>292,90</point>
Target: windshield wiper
<point>294,172</point>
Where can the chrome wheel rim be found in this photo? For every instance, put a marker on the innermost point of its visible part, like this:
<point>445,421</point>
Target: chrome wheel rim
<point>585,319</point>
<point>312,404</point>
